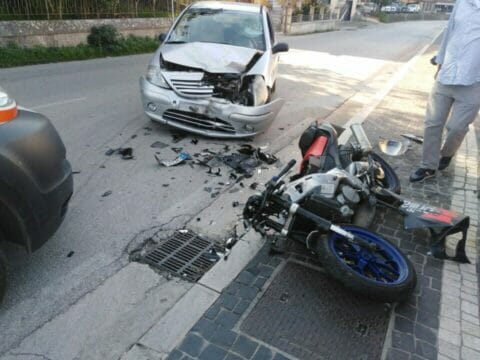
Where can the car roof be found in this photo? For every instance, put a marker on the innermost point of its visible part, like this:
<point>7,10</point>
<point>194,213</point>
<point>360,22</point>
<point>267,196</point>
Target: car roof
<point>226,6</point>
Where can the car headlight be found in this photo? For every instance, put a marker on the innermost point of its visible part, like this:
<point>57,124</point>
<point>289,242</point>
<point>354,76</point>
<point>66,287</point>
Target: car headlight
<point>8,107</point>
<point>154,75</point>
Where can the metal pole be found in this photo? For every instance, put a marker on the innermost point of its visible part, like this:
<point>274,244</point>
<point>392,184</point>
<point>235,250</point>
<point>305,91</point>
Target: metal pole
<point>173,13</point>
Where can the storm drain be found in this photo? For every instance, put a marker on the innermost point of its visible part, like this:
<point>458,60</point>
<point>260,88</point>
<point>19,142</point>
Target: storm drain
<point>185,254</point>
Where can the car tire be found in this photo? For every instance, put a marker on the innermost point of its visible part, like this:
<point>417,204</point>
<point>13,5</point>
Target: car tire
<point>3,275</point>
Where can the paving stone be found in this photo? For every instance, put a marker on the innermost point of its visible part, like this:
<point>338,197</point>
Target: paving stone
<point>205,328</point>
<point>228,301</point>
<point>469,308</point>
<point>406,311</point>
<point>279,356</point>
<point>212,312</point>
<point>175,355</point>
<point>428,319</point>
<point>403,342</point>
<point>224,337</point>
<point>469,354</point>
<point>448,349</point>
<point>403,325</point>
<point>245,278</point>
<point>471,329</point>
<point>426,334</point>
<point>425,350</point>
<point>232,356</point>
<point>244,346</point>
<point>241,307</point>
<point>472,342</point>
<point>263,353</point>
<point>259,282</point>
<point>247,293</point>
<point>396,354</point>
<point>226,319</point>
<point>192,345</point>
<point>470,318</point>
<point>450,324</point>
<point>212,352</point>
<point>449,336</point>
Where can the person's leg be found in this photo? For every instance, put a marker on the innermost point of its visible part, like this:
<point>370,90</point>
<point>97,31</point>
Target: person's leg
<point>438,109</point>
<point>464,111</point>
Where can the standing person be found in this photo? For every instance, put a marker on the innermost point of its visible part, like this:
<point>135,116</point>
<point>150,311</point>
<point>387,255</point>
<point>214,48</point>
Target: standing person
<point>456,93</point>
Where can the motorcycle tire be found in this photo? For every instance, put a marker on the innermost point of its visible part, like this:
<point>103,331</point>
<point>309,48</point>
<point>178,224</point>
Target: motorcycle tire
<point>3,275</point>
<point>391,181</point>
<point>384,274</point>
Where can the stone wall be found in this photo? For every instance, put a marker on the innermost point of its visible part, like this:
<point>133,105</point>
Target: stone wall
<point>308,27</point>
<point>418,16</point>
<point>73,32</point>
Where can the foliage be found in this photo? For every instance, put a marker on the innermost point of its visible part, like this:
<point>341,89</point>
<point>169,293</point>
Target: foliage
<point>104,36</point>
<point>14,55</point>
<point>84,9</point>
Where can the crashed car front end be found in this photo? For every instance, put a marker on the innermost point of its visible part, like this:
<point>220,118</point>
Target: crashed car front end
<point>225,94</point>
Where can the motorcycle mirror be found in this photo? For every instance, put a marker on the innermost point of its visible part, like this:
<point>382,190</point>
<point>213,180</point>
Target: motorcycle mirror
<point>392,147</point>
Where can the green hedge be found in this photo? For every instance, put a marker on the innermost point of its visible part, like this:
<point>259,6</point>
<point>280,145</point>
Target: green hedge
<point>14,55</point>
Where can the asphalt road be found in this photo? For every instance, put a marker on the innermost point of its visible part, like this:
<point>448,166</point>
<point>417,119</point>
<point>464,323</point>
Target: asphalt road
<point>95,106</point>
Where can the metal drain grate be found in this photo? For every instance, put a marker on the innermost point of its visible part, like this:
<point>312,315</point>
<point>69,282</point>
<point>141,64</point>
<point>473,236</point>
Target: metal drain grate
<point>185,254</point>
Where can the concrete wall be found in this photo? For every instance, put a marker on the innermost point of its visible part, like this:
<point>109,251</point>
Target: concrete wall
<point>73,32</point>
<point>308,27</point>
<point>420,16</point>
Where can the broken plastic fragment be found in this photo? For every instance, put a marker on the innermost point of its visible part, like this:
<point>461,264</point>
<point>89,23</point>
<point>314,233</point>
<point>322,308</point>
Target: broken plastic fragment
<point>159,144</point>
<point>107,193</point>
<point>127,153</point>
<point>181,158</point>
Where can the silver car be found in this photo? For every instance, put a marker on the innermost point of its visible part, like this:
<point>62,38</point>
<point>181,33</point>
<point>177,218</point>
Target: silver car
<point>215,72</point>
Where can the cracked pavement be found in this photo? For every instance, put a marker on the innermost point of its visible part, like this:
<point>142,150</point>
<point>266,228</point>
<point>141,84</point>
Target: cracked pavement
<point>51,293</point>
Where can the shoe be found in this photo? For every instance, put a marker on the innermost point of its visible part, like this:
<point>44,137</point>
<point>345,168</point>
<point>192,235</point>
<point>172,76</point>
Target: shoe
<point>421,174</point>
<point>444,162</point>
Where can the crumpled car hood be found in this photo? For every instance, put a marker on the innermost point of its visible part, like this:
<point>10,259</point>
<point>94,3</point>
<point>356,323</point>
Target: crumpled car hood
<point>210,57</point>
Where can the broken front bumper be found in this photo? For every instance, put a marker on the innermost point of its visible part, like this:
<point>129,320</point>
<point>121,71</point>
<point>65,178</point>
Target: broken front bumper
<point>210,117</point>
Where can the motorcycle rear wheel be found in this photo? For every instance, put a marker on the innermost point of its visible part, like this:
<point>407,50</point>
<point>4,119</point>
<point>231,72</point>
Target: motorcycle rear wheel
<point>384,274</point>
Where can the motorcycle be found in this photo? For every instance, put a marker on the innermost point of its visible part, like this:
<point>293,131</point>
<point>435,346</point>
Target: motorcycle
<point>331,202</point>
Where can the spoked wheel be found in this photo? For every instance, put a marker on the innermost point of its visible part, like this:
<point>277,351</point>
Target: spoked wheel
<point>3,275</point>
<point>381,274</point>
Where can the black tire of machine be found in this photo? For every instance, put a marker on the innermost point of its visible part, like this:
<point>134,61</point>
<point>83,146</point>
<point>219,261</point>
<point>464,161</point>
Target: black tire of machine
<point>391,181</point>
<point>3,275</point>
<point>353,281</point>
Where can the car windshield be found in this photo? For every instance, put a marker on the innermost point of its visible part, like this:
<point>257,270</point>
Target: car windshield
<point>239,28</point>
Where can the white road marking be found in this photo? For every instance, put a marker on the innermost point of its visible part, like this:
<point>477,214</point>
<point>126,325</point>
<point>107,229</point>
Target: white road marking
<point>64,102</point>
<point>363,114</point>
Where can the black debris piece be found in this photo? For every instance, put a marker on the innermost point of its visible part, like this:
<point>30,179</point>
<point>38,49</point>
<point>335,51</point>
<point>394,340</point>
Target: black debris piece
<point>147,128</point>
<point>133,136</point>
<point>177,149</point>
<point>76,172</point>
<point>199,219</point>
<point>235,204</point>
<point>415,138</point>
<point>217,172</point>
<point>208,189</point>
<point>241,184</point>
<point>159,144</point>
<point>194,141</point>
<point>253,186</point>
<point>234,190</point>
<point>165,185</point>
<point>221,183</point>
<point>107,193</point>
<point>214,195</point>
<point>126,153</point>
<point>226,148</point>
<point>281,128</point>
<point>70,254</point>
<point>178,136</point>
<point>102,166</point>
<point>233,176</point>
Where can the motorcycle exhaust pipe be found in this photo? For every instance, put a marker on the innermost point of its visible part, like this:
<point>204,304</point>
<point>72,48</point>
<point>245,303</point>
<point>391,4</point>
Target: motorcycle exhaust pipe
<point>361,138</point>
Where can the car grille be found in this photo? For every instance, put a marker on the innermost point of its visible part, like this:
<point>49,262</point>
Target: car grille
<point>198,120</point>
<point>189,84</point>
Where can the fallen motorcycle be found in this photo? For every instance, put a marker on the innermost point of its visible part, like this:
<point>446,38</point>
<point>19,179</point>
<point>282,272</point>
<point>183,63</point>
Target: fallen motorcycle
<point>331,202</point>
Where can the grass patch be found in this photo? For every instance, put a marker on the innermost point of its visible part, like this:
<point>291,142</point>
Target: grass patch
<point>14,55</point>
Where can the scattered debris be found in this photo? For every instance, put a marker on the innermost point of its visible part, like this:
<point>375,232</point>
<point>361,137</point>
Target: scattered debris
<point>147,128</point>
<point>233,176</point>
<point>194,141</point>
<point>107,193</point>
<point>208,189</point>
<point>215,194</point>
<point>133,136</point>
<point>181,158</point>
<point>198,219</point>
<point>76,172</point>
<point>70,254</point>
<point>281,128</point>
<point>234,190</point>
<point>102,166</point>
<point>127,153</point>
<point>178,136</point>
<point>414,138</point>
<point>159,144</point>
<point>221,183</point>
<point>165,185</point>
<point>216,173</point>
<point>253,186</point>
<point>235,204</point>
<point>177,149</point>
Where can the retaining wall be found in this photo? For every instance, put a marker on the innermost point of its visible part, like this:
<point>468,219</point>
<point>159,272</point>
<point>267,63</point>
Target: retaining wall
<point>307,27</point>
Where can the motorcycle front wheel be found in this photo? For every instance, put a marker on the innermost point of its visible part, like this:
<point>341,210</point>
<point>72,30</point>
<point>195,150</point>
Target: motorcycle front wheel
<point>382,274</point>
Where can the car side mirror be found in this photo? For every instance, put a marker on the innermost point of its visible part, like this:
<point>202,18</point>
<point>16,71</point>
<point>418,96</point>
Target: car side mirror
<point>280,47</point>
<point>162,37</point>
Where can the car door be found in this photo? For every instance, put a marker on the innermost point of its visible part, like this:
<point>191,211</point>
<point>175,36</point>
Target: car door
<point>275,58</point>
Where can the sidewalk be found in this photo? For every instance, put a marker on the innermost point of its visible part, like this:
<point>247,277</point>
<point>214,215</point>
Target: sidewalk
<point>284,307</point>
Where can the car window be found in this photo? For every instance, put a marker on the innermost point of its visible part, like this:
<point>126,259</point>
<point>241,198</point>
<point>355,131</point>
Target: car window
<point>239,28</point>
<point>270,29</point>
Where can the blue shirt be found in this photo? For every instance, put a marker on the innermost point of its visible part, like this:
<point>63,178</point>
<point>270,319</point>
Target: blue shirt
<point>459,53</point>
